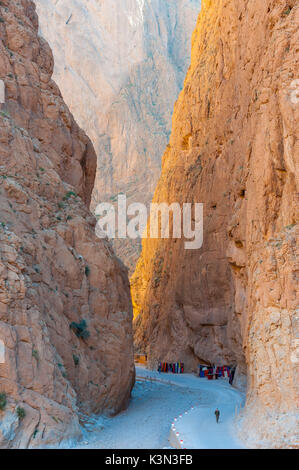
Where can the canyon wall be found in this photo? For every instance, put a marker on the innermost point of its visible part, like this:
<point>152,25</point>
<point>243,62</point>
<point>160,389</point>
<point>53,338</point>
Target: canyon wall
<point>65,308</point>
<point>120,66</point>
<point>234,148</point>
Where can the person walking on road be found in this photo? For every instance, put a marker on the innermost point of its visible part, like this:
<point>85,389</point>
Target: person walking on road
<point>217,414</point>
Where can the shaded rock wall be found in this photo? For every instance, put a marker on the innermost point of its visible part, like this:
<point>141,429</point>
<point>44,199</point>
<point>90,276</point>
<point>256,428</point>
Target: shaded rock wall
<point>54,271</point>
<point>234,148</point>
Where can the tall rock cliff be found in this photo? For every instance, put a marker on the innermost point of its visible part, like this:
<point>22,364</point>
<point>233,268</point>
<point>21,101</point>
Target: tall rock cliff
<point>65,309</point>
<point>120,66</point>
<point>234,148</point>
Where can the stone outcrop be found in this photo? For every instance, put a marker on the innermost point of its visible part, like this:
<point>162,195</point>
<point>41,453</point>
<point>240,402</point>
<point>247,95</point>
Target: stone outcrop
<point>120,66</point>
<point>65,308</point>
<point>234,148</point>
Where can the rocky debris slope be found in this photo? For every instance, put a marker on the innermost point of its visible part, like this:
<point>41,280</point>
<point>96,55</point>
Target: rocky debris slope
<point>234,148</point>
<point>65,309</point>
<point>120,66</point>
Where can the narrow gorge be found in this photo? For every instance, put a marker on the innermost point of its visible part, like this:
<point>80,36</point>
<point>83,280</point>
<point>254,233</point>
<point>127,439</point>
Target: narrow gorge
<point>88,94</point>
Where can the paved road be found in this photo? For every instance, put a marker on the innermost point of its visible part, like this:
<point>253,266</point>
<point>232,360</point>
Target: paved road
<point>146,423</point>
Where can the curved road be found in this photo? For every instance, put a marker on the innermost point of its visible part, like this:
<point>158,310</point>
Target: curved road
<point>146,423</point>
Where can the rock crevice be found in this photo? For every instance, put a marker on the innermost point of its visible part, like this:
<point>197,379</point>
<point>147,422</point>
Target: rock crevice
<point>120,66</point>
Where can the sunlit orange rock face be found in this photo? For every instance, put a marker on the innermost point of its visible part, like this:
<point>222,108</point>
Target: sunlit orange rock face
<point>65,308</point>
<point>233,147</point>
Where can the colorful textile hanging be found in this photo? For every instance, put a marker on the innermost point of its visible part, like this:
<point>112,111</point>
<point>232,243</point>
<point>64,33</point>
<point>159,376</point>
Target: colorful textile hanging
<point>175,368</point>
<point>214,372</point>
